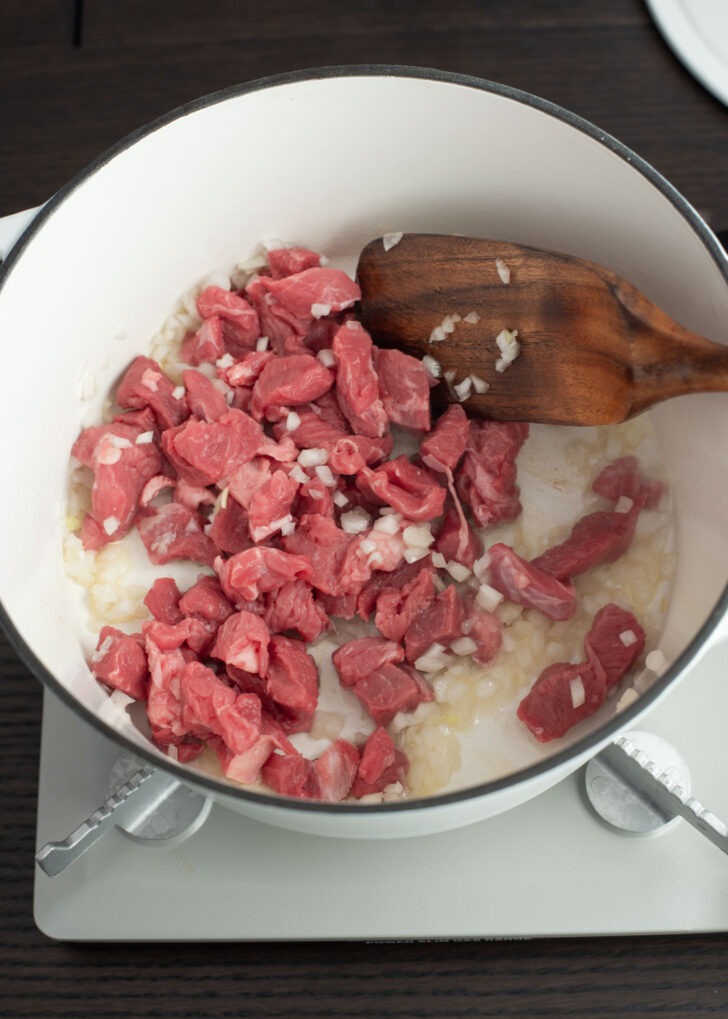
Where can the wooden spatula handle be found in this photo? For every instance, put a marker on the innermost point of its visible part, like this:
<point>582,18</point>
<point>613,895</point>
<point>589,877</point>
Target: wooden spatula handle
<point>667,359</point>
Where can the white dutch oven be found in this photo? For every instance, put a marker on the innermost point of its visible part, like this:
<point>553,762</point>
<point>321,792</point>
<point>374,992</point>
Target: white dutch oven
<point>333,158</point>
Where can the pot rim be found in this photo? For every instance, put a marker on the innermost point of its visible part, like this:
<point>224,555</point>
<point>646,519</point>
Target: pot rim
<point>588,744</point>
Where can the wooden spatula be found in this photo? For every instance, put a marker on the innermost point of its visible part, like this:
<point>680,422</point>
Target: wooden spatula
<point>592,349</point>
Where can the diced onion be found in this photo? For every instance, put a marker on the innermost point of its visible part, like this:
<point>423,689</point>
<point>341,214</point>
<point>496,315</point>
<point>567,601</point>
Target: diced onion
<point>463,389</point>
<point>323,472</point>
<point>488,598</point>
<point>418,536</point>
<point>457,571</point>
<point>298,474</point>
<point>503,271</point>
<point>432,366</point>
<point>320,310</point>
<point>439,561</point>
<point>273,244</point>
<point>387,523</point>
<point>262,344</point>
<point>463,646</point>
<point>624,504</point>
<point>472,318</point>
<point>509,347</point>
<point>118,441</point>
<point>340,499</point>
<point>656,661</point>
<point>326,357</point>
<point>627,699</point>
<point>144,438</point>
<point>293,421</point>
<point>412,555</point>
<point>312,457</point>
<point>390,240</point>
<point>111,525</point>
<point>481,566</point>
<point>628,637</point>
<point>447,326</point>
<point>578,693</point>
<point>479,385</point>
<point>218,279</point>
<point>434,659</point>
<point>288,525</point>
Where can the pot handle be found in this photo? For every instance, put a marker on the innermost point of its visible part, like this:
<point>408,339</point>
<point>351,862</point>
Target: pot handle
<point>11,228</point>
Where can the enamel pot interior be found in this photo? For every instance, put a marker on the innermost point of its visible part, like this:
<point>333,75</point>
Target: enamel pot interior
<point>332,159</point>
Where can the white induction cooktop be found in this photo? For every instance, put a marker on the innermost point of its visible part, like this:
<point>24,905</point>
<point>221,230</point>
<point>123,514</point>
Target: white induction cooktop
<point>547,868</point>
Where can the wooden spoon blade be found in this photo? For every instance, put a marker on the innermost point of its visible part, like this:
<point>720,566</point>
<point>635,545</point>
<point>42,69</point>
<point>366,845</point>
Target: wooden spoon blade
<point>593,350</point>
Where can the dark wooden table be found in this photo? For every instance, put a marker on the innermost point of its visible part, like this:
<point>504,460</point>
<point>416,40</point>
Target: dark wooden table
<point>75,77</point>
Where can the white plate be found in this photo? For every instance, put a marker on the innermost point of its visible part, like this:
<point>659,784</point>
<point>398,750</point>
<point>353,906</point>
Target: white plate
<point>697,30</point>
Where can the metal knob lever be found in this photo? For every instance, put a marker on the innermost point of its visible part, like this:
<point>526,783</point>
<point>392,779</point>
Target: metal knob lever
<point>639,784</point>
<point>151,806</point>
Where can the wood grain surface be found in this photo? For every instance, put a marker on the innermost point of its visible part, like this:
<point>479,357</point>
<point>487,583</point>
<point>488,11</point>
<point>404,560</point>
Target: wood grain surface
<point>74,78</point>
<point>592,337</point>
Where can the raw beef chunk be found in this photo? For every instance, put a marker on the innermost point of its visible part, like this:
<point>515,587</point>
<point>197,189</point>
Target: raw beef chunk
<point>397,608</point>
<point>120,662</point>
<point>145,385</point>
<point>382,764</point>
<point>405,389</point>
<point>358,658</point>
<point>122,465</point>
<point>597,538</point>
<point>561,696</point>
<point>565,694</point>
<point>486,481</point>
<point>162,600</point>
<point>411,490</point>
<point>291,681</point>
<point>614,643</point>
<point>357,384</point>
<point>439,623</point>
<point>442,448</point>
<point>457,541</point>
<point>206,452</point>
<point>390,689</point>
<point>622,479</point>
<point>172,532</point>
<point>286,382</point>
<point>524,583</point>
<point>239,321</point>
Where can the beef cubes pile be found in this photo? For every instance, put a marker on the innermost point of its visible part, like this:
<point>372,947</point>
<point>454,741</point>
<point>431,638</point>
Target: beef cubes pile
<point>271,465</point>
